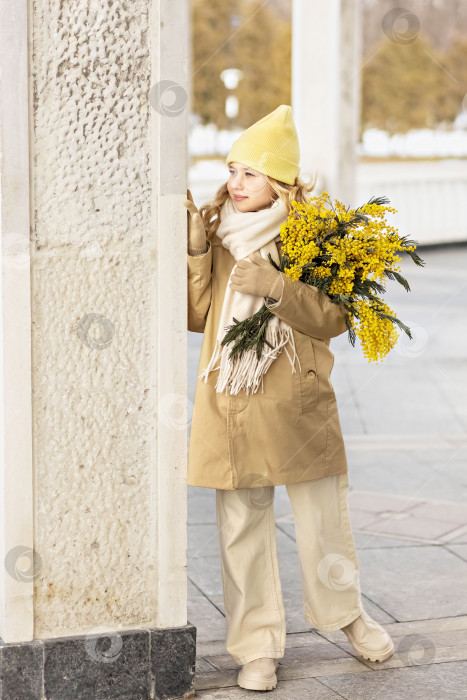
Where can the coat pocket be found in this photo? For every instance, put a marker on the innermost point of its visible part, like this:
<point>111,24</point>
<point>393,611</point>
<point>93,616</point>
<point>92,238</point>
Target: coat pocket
<point>308,375</point>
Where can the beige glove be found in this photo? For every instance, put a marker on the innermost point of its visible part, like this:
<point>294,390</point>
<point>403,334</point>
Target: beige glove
<point>257,277</point>
<point>197,244</point>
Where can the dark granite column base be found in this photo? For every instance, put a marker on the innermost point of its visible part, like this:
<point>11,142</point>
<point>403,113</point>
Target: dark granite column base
<point>142,664</point>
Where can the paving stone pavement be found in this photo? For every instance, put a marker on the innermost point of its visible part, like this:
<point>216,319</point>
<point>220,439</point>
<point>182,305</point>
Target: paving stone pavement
<point>404,423</point>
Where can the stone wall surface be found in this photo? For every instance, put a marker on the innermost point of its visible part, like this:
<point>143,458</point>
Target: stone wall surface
<point>91,355</point>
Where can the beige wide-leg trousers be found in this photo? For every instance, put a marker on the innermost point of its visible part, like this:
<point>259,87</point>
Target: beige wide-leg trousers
<point>255,615</point>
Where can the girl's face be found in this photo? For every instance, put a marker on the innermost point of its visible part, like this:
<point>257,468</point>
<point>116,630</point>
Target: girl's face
<point>248,188</point>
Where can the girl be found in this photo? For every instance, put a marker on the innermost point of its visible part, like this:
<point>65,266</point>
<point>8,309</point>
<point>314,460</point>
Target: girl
<point>260,423</point>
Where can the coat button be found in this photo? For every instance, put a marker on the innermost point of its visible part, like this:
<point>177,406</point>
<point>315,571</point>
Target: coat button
<point>311,373</point>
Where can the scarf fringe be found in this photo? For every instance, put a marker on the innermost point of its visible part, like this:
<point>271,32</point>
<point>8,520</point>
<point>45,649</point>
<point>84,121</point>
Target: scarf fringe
<point>247,371</point>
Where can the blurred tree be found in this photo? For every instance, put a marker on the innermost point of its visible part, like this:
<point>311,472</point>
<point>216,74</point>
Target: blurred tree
<point>440,20</point>
<point>455,78</point>
<point>405,87</point>
<point>210,30</point>
<point>242,34</point>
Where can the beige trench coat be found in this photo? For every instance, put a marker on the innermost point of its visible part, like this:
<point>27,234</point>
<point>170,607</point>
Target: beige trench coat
<point>291,431</point>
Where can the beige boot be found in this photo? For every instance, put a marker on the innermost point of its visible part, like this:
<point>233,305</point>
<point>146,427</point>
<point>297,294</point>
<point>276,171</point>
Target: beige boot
<point>259,674</point>
<point>369,638</point>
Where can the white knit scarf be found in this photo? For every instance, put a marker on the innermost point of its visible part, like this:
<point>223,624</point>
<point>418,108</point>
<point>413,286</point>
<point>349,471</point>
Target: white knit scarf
<point>243,233</point>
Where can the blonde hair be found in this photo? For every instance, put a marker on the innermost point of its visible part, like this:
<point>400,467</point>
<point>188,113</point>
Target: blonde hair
<point>298,192</point>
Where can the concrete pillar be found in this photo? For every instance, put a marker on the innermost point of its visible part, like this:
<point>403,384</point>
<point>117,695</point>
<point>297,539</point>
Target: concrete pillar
<point>16,464</point>
<point>93,121</point>
<point>326,62</point>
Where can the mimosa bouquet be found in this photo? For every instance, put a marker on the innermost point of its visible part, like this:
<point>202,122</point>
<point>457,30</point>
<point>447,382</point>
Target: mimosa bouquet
<point>347,254</point>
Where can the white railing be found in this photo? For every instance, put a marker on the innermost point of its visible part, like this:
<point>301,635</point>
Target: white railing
<point>430,196</point>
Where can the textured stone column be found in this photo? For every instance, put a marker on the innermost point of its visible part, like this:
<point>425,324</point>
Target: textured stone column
<point>93,522</point>
<point>326,62</point>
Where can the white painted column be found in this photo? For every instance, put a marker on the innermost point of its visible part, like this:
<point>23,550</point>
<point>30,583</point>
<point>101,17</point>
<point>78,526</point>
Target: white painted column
<point>326,50</point>
<point>94,415</point>
<point>16,465</point>
<point>169,98</point>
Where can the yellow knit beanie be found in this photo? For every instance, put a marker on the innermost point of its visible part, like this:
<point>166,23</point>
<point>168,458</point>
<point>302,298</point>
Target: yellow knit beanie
<point>270,146</point>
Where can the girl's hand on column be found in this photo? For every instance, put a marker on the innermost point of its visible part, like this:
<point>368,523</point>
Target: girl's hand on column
<point>195,228</point>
